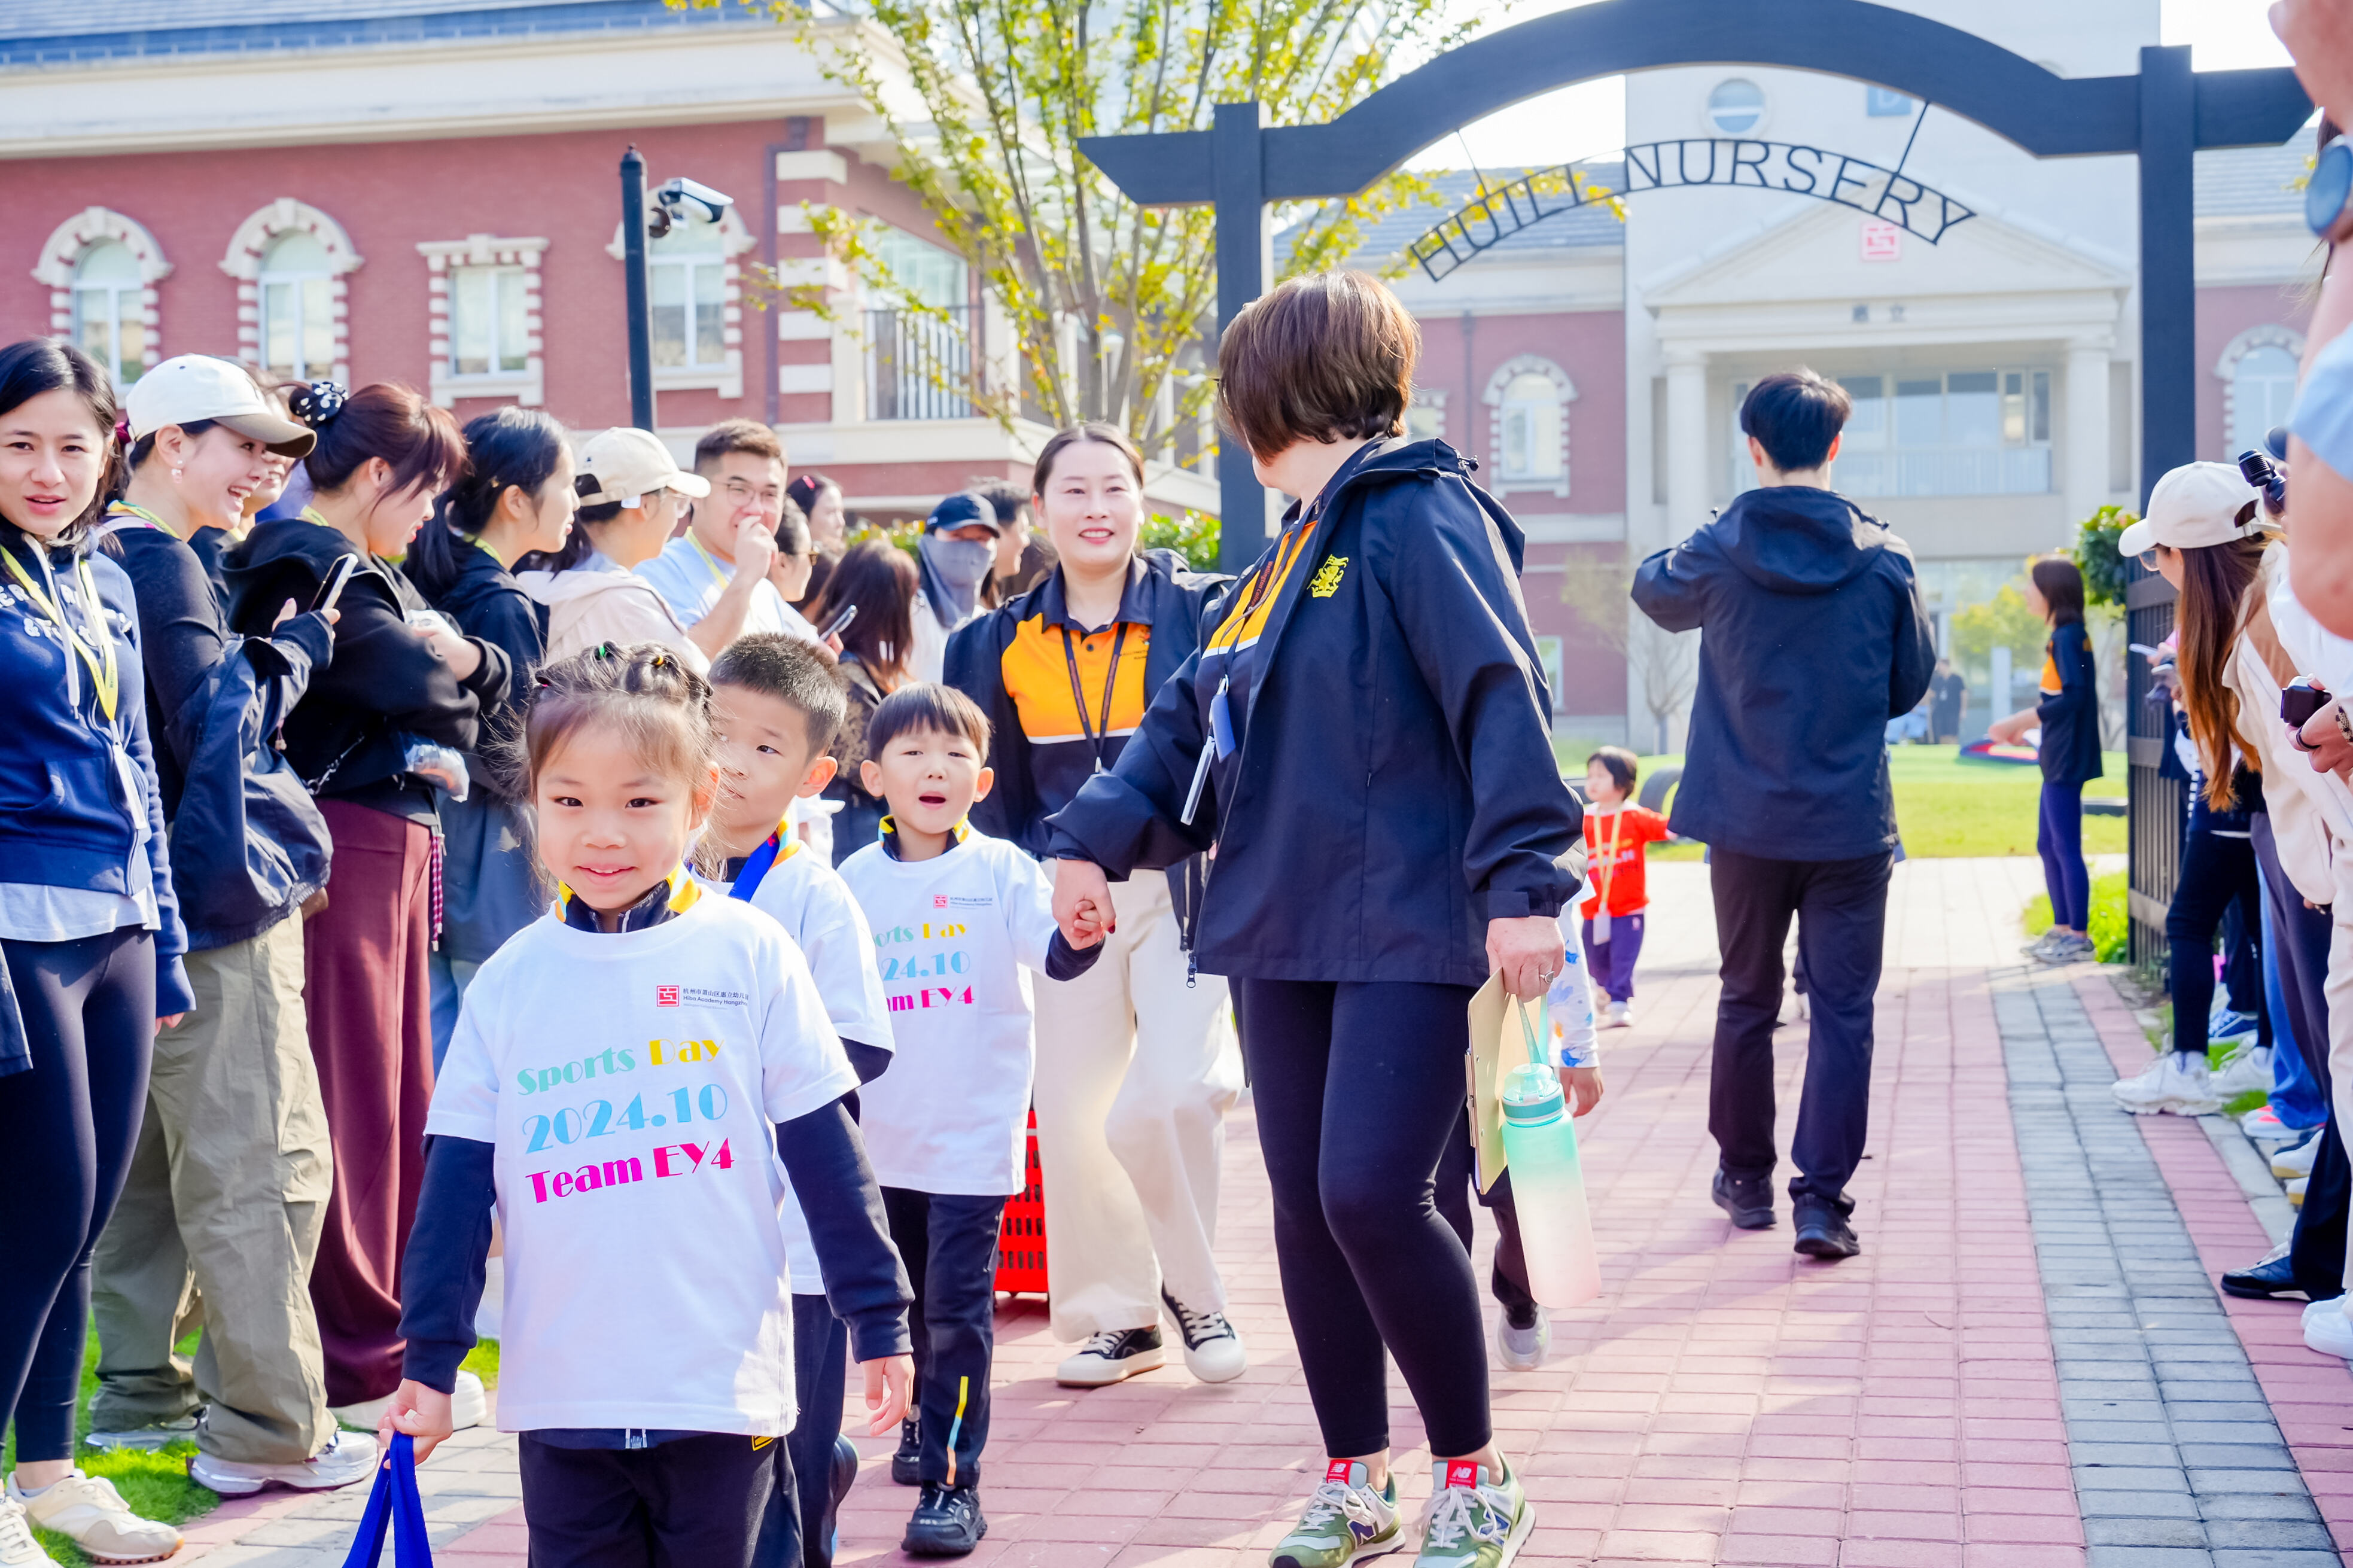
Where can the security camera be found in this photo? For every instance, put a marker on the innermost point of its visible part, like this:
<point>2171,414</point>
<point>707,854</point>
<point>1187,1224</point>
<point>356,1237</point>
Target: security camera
<point>682,201</point>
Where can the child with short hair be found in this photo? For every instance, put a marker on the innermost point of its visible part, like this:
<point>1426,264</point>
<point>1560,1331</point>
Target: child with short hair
<point>635,1080</point>
<point>957,916</point>
<point>774,710</point>
<point>1614,831</point>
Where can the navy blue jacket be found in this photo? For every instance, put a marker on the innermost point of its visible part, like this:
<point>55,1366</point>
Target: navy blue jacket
<point>1814,637</point>
<point>2071,716</point>
<point>1394,787</point>
<point>62,819</point>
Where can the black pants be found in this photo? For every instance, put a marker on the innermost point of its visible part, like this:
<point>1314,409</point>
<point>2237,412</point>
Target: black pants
<point>1840,907</point>
<point>2317,1246</point>
<point>797,1531</point>
<point>1359,1089</point>
<point>2218,869</point>
<point>1456,1185</point>
<point>691,1502</point>
<point>66,1130</point>
<point>949,1244</point>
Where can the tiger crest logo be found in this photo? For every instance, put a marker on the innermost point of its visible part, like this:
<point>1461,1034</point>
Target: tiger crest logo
<point>1326,581</point>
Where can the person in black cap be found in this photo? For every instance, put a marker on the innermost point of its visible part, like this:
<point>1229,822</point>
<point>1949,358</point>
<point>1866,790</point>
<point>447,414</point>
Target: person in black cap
<point>957,553</point>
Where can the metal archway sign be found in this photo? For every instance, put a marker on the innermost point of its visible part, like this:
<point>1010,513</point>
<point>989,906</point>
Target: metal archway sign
<point>2161,115</point>
<point>1796,168</point>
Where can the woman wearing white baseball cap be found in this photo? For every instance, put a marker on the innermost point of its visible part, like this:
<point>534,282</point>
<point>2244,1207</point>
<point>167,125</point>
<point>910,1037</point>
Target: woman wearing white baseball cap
<point>228,1181</point>
<point>632,494</point>
<point>2205,533</point>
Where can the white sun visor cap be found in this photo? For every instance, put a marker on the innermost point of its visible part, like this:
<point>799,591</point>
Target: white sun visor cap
<point>196,387</point>
<point>627,464</point>
<point>2193,507</point>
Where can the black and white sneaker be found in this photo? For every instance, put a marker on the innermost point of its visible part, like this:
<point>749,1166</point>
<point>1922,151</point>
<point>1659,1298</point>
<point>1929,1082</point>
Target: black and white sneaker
<point>906,1464</point>
<point>1213,1350</point>
<point>1112,1356</point>
<point>947,1522</point>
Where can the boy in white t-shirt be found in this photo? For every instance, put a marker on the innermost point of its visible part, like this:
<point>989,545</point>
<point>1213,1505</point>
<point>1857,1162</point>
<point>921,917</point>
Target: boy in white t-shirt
<point>776,707</point>
<point>637,1081</point>
<point>958,917</point>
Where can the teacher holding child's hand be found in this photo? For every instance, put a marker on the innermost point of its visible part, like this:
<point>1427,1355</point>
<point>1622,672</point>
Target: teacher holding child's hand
<point>1364,742</point>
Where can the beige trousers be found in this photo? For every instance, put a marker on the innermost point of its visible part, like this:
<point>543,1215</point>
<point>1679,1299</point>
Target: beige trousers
<point>1136,1070</point>
<point>220,1219</point>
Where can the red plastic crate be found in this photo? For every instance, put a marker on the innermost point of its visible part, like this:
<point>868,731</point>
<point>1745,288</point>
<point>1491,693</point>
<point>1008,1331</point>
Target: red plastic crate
<point>1021,1237</point>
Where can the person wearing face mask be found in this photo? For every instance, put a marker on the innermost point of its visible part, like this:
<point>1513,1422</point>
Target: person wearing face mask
<point>1136,1065</point>
<point>515,498</point>
<point>230,1176</point>
<point>632,493</point>
<point>956,556</point>
<point>91,939</point>
<point>405,680</point>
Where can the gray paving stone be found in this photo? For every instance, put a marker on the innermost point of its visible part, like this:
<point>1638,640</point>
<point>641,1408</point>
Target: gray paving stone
<point>2274,1534</point>
<point>2144,1532</point>
<point>2257,1505</point>
<point>2242,1456</point>
<point>2094,1502</point>
<point>2264,1557</point>
<point>2286,1478</point>
<point>2147,1557</point>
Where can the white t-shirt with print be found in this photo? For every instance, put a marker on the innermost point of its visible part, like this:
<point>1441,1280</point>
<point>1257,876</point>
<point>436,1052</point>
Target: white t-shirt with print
<point>954,938</point>
<point>814,905</point>
<point>630,1083</point>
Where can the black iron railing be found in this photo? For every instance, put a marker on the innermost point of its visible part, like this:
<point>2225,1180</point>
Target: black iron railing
<point>919,367</point>
<point>2157,805</point>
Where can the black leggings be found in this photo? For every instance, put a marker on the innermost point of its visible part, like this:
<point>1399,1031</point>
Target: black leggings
<point>2218,869</point>
<point>1358,1087</point>
<point>67,1129</point>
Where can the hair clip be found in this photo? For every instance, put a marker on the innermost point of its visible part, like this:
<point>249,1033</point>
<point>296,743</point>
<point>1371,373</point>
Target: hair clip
<point>317,404</point>
<point>543,681</point>
<point>658,661</point>
<point>123,430</point>
<point>604,650</point>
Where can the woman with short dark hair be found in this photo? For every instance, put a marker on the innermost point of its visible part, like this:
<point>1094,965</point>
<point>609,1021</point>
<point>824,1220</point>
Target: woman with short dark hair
<point>1364,740</point>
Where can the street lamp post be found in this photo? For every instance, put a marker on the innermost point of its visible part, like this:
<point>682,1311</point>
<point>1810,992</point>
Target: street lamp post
<point>633,267</point>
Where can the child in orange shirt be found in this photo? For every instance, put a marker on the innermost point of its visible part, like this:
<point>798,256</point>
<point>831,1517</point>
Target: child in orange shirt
<point>1614,831</point>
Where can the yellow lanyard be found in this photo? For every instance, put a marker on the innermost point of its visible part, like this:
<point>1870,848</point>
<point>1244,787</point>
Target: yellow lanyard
<point>716,574</point>
<point>104,676</point>
<point>124,511</point>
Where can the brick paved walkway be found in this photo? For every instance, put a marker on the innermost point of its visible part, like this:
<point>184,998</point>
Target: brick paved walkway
<point>1725,1400</point>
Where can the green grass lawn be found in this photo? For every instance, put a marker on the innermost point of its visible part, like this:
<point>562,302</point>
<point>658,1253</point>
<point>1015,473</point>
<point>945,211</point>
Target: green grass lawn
<point>1945,805</point>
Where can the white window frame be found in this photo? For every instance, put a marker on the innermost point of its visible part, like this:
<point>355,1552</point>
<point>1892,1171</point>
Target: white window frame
<point>2226,366</point>
<point>125,302</point>
<point>252,241</point>
<point>725,377</point>
<point>61,254</point>
<point>1564,389</point>
<point>297,282</point>
<point>443,258</point>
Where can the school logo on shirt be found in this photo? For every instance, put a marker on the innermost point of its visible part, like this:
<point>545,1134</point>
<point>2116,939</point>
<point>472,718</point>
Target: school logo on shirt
<point>1326,581</point>
<point>665,996</point>
<point>939,900</point>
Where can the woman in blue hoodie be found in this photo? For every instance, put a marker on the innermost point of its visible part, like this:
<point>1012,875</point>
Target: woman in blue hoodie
<point>89,927</point>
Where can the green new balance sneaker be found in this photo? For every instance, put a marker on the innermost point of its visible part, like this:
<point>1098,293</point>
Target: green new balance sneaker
<point>1347,1521</point>
<point>1474,1520</point>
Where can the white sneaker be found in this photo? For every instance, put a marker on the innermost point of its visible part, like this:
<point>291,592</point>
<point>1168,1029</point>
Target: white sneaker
<point>1112,1356</point>
<point>362,1416</point>
<point>2250,1070</point>
<point>2177,1082</point>
<point>17,1547</point>
<point>2296,1191</point>
<point>2325,1328</point>
<point>88,1511</point>
<point>2262,1122</point>
<point>348,1457</point>
<point>1213,1346</point>
<point>1522,1350</point>
<point>469,1404</point>
<point>1620,1015</point>
<point>492,1308</point>
<point>2290,1163</point>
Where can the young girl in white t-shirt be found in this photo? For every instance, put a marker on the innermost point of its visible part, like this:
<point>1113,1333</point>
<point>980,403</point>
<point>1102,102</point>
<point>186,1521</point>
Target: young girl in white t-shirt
<point>633,1083</point>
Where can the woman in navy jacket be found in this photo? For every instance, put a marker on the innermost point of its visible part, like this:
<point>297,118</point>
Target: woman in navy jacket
<point>2069,715</point>
<point>1368,728</point>
<point>88,927</point>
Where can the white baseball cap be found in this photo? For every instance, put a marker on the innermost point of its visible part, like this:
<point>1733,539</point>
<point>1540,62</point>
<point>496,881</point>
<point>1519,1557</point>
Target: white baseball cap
<point>2195,506</point>
<point>195,387</point>
<point>625,465</point>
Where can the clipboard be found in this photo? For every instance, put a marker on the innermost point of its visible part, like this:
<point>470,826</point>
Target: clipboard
<point>1500,1025</point>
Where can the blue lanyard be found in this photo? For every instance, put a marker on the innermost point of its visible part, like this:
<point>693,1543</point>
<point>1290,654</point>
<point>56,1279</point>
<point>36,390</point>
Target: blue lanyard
<point>757,865</point>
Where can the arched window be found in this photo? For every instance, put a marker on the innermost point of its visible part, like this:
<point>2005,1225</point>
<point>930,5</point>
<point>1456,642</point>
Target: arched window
<point>1735,108</point>
<point>1534,425</point>
<point>110,295</point>
<point>2262,386</point>
<point>686,287</point>
<point>298,313</point>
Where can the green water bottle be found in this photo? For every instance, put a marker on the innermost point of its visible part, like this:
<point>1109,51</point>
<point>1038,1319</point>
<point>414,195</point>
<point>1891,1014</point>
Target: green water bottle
<point>1548,1188</point>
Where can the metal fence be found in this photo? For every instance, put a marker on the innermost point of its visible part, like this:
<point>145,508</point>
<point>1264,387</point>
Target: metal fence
<point>2157,803</point>
<point>919,367</point>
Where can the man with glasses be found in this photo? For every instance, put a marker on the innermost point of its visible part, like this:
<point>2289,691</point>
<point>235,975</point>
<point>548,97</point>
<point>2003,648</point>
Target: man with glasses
<point>714,576</point>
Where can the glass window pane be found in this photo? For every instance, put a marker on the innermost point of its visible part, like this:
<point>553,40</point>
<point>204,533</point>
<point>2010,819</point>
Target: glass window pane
<point>133,334</point>
<point>1919,413</point>
<point>665,285</point>
<point>108,261</point>
<point>2013,408</point>
<point>1735,107</point>
<point>513,349</point>
<point>2261,388</point>
<point>277,346</point>
<point>1866,426</point>
<point>295,252</point>
<point>469,320</point>
<point>2038,413</point>
<point>94,323</point>
<point>318,327</point>
<point>710,328</point>
<point>1972,409</point>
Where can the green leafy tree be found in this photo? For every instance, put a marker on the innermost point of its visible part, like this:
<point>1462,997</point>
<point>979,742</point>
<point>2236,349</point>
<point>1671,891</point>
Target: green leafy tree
<point>2097,555</point>
<point>1110,304</point>
<point>2002,621</point>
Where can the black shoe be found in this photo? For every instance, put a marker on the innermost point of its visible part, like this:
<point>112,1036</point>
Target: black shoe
<point>1822,1229</point>
<point>905,1465</point>
<point>2272,1279</point>
<point>1747,1199</point>
<point>845,1466</point>
<point>947,1522</point>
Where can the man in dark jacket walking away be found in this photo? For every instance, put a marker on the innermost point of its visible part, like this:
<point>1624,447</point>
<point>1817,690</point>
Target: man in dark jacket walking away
<point>1815,636</point>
